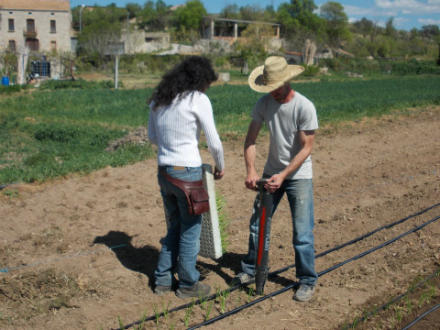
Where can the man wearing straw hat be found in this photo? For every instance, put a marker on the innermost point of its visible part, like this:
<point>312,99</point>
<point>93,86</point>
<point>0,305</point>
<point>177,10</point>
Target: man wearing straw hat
<point>291,119</point>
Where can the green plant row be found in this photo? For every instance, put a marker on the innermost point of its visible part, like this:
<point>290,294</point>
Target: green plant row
<point>51,133</point>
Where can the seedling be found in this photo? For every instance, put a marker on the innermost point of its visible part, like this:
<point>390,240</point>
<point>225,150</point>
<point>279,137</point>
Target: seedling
<point>121,324</point>
<point>188,313</point>
<point>141,325</point>
<point>208,310</point>
<point>165,310</point>
<point>156,314</point>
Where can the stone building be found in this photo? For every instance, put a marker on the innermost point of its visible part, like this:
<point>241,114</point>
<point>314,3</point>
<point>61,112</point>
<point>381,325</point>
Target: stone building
<point>40,25</point>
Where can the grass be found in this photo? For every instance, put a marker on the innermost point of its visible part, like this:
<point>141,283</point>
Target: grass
<point>48,134</point>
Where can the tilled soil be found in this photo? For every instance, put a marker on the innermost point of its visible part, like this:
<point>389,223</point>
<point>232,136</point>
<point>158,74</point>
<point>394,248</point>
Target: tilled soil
<point>79,252</point>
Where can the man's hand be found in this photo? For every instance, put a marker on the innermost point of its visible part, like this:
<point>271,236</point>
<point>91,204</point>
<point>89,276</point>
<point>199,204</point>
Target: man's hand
<point>274,183</point>
<point>251,181</point>
<point>218,174</point>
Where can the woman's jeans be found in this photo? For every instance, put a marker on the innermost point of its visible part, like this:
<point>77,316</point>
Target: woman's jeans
<point>300,196</point>
<point>182,243</point>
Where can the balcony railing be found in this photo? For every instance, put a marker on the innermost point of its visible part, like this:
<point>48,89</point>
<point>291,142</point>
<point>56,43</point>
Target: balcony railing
<point>30,33</point>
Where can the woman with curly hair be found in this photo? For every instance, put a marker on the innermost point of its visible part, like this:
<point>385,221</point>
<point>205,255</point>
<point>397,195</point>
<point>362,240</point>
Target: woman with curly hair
<point>179,110</point>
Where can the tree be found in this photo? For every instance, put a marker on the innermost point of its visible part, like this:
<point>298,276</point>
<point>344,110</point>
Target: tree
<point>154,16</point>
<point>430,31</point>
<point>251,13</point>
<point>190,16</point>
<point>230,11</point>
<point>133,9</point>
<point>390,30</point>
<point>299,22</point>
<point>337,22</point>
<point>364,26</point>
<point>101,27</point>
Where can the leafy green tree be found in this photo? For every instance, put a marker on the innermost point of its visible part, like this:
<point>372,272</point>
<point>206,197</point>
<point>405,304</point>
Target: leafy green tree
<point>390,30</point>
<point>299,22</point>
<point>101,26</point>
<point>154,16</point>
<point>430,31</point>
<point>133,9</point>
<point>364,27</point>
<point>231,12</point>
<point>251,13</point>
<point>337,22</point>
<point>190,16</point>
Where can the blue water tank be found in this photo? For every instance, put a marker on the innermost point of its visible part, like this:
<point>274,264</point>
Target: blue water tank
<point>5,81</point>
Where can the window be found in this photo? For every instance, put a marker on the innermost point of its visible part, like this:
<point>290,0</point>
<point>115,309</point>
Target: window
<point>53,45</point>
<point>12,45</point>
<point>32,44</point>
<point>11,25</point>
<point>53,26</point>
<point>30,25</point>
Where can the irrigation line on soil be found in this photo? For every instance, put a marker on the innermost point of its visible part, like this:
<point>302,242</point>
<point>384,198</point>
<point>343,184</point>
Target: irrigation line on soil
<point>276,272</point>
<point>422,316</point>
<point>392,301</point>
<point>326,271</point>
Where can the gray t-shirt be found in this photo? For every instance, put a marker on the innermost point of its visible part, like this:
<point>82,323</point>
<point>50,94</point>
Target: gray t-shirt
<point>284,122</point>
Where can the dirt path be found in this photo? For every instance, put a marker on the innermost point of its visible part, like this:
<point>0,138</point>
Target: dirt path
<point>80,252</point>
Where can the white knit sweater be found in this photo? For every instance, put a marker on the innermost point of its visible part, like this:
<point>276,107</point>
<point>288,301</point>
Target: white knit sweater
<point>175,129</point>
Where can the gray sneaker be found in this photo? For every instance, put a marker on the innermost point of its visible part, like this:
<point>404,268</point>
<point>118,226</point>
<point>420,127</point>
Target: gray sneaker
<point>160,290</point>
<point>242,278</point>
<point>198,290</point>
<point>304,293</point>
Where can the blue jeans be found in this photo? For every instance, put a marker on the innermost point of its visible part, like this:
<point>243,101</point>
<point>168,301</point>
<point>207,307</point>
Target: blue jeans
<point>182,243</point>
<point>300,196</point>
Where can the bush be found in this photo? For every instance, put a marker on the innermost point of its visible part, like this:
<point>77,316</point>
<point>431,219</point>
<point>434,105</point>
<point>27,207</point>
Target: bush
<point>311,70</point>
<point>10,89</point>
<point>414,67</point>
<point>78,84</point>
<point>72,134</point>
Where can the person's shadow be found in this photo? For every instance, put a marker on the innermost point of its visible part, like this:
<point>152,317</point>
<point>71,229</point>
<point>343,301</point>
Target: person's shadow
<point>142,260</point>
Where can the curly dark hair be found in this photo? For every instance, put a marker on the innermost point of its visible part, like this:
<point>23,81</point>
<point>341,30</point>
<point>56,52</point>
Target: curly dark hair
<point>193,74</point>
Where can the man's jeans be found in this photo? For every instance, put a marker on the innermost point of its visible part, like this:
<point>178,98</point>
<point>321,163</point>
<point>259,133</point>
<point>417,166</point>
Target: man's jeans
<point>182,243</point>
<point>300,196</point>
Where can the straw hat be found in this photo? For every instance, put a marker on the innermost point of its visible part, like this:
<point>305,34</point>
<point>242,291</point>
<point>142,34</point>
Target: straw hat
<point>273,74</point>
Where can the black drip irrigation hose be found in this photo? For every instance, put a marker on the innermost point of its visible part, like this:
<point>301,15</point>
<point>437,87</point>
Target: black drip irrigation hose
<point>276,272</point>
<point>392,301</point>
<point>326,271</point>
<point>421,316</point>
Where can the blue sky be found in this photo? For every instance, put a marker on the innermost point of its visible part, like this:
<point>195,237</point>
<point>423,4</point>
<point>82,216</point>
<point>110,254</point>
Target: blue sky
<point>407,14</point>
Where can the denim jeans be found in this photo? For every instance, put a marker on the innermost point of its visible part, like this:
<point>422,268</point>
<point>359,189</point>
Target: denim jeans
<point>182,243</point>
<point>300,197</point>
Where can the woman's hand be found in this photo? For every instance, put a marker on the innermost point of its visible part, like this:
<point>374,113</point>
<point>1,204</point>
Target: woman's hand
<point>218,174</point>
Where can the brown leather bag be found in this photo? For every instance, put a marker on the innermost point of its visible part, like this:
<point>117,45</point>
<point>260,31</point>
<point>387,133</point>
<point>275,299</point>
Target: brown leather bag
<point>195,192</point>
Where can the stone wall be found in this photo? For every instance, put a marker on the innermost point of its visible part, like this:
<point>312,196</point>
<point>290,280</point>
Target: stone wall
<point>47,39</point>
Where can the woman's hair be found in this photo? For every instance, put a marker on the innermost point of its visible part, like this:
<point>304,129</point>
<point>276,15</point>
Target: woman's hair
<point>193,74</point>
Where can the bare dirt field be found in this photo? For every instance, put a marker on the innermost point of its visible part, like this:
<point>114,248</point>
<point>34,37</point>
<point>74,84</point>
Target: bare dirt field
<point>79,252</point>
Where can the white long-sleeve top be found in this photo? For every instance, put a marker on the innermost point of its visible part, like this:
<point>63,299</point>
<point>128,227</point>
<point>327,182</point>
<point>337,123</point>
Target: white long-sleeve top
<point>176,128</point>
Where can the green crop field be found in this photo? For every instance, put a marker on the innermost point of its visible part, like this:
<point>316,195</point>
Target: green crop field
<point>50,133</point>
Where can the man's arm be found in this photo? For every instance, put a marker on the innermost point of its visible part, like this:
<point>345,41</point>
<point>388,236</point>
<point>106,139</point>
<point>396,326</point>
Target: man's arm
<point>250,153</point>
<point>306,138</point>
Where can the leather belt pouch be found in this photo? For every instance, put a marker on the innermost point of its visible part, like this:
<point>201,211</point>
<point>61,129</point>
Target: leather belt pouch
<point>196,195</point>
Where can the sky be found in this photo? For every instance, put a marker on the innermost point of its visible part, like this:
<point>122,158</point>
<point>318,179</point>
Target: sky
<point>406,14</point>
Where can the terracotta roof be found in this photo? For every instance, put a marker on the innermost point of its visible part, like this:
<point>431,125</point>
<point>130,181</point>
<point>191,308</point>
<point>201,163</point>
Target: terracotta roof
<point>35,4</point>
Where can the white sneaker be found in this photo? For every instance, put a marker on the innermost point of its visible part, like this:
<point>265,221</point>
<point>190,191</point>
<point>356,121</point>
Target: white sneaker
<point>242,278</point>
<point>304,293</point>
